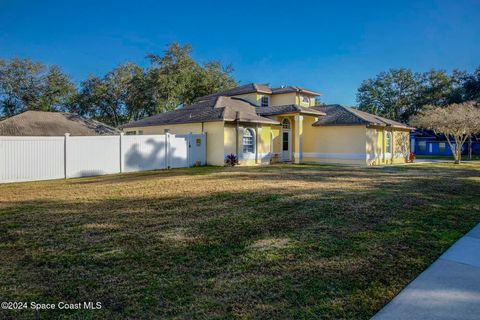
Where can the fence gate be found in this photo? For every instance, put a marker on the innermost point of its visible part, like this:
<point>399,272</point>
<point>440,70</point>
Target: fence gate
<point>198,150</point>
<point>177,155</point>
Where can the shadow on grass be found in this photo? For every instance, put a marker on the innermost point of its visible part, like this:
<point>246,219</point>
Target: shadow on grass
<point>330,242</point>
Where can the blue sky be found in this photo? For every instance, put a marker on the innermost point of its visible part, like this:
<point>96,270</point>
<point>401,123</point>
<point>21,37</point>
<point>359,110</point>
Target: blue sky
<point>327,46</point>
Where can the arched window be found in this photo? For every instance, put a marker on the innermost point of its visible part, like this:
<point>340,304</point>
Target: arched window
<point>285,124</point>
<point>306,99</point>
<point>388,142</point>
<point>248,141</point>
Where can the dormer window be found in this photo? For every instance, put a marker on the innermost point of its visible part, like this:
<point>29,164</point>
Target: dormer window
<point>264,102</point>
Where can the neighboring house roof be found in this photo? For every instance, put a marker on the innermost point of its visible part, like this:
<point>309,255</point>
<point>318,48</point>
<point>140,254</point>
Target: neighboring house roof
<point>257,87</point>
<point>428,134</point>
<point>340,115</point>
<point>291,108</point>
<point>215,109</point>
<point>42,123</point>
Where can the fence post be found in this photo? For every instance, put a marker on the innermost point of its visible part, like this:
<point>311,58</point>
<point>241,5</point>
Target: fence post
<point>65,144</point>
<point>189,146</point>
<point>121,151</point>
<point>205,147</point>
<point>167,149</point>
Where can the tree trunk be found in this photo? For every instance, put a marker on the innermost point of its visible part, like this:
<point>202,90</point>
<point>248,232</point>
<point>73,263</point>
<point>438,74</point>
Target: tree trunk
<point>458,154</point>
<point>470,148</point>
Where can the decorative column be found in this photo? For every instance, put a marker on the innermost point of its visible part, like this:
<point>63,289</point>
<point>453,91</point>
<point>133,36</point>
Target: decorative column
<point>258,136</point>
<point>298,133</point>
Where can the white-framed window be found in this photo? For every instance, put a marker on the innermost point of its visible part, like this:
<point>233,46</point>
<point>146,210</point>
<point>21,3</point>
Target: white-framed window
<point>248,141</point>
<point>388,144</point>
<point>265,101</point>
<point>305,99</point>
<point>441,147</point>
<point>131,133</point>
<point>422,146</point>
<point>286,124</point>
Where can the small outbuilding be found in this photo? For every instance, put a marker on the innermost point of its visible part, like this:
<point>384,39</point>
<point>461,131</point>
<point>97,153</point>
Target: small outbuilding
<point>42,123</point>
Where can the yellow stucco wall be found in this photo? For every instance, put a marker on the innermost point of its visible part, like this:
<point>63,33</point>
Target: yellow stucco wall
<point>262,139</point>
<point>279,99</point>
<point>283,99</point>
<point>334,144</point>
<point>275,99</point>
<point>299,101</point>
<point>252,97</point>
<point>229,135</point>
<point>377,146</point>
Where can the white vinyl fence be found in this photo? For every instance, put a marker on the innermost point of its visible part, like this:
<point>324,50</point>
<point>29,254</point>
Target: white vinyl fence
<point>42,158</point>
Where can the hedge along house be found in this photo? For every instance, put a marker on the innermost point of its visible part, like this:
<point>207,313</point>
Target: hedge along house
<point>264,125</point>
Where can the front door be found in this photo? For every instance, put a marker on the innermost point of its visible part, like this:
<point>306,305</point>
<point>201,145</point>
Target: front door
<point>286,141</point>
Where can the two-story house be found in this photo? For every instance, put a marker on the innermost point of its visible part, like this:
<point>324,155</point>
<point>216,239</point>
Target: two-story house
<point>263,125</point>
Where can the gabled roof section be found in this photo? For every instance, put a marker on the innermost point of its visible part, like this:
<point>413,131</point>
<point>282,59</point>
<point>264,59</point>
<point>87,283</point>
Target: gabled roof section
<point>215,109</point>
<point>291,108</point>
<point>257,87</point>
<point>287,89</point>
<point>248,88</point>
<point>43,123</point>
<point>340,115</point>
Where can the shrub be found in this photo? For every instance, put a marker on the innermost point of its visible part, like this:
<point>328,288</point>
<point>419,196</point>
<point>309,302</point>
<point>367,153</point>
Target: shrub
<point>231,160</point>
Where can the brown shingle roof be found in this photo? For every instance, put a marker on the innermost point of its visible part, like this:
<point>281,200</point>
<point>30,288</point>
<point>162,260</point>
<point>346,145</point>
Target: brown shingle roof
<point>340,115</point>
<point>257,87</point>
<point>216,109</point>
<point>248,88</point>
<point>286,89</point>
<point>41,123</point>
<point>291,108</point>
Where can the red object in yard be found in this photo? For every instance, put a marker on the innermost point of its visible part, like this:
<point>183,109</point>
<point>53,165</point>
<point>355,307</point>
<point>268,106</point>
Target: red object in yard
<point>411,157</point>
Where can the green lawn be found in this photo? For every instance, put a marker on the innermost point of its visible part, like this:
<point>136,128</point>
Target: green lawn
<point>278,242</point>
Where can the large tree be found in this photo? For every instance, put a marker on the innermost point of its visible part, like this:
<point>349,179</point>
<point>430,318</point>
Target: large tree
<point>29,85</point>
<point>471,85</point>
<point>399,93</point>
<point>176,78</point>
<point>391,94</point>
<point>113,99</point>
<point>130,92</point>
<point>457,122</point>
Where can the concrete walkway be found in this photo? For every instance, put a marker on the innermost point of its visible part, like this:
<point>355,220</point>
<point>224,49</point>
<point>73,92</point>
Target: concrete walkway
<point>448,289</point>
